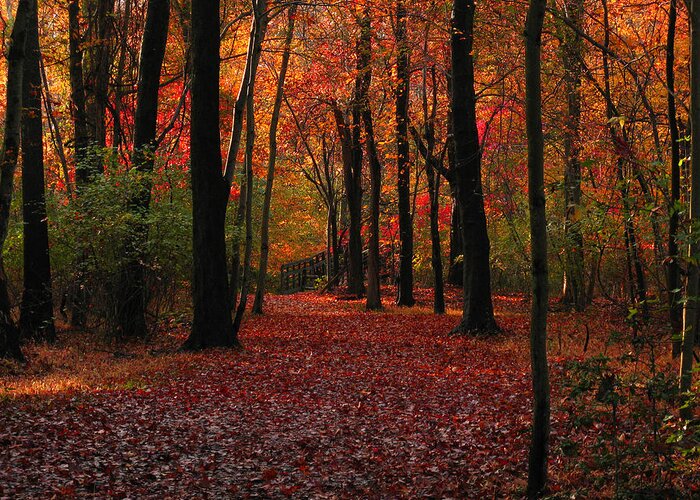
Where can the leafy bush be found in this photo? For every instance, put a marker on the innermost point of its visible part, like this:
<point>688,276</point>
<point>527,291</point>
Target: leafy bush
<point>89,234</point>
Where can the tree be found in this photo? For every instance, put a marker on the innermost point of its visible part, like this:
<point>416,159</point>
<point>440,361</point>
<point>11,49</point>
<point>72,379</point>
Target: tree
<point>537,463</point>
<point>405,295</point>
<point>83,168</point>
<point>692,311</point>
<point>364,66</point>
<point>97,62</point>
<point>9,334</point>
<point>477,308</point>
<point>272,158</point>
<point>132,294</point>
<point>673,274</point>
<point>36,311</point>
<point>246,207</point>
<point>572,58</point>
<point>258,28</point>
<point>211,324</point>
<point>434,168</point>
<point>349,134</point>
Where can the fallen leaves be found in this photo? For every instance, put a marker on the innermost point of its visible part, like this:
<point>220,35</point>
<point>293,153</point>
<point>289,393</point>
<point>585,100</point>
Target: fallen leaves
<point>325,401</point>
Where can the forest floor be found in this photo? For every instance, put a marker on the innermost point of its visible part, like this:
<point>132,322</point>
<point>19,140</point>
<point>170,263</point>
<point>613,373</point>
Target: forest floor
<point>324,401</point>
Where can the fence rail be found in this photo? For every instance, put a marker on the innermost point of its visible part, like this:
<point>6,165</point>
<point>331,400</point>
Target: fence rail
<point>302,274</point>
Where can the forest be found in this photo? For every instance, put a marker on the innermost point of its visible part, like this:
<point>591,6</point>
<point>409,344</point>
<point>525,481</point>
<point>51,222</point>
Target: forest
<point>350,249</point>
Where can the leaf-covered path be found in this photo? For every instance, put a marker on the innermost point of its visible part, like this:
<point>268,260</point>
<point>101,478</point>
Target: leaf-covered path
<point>325,401</point>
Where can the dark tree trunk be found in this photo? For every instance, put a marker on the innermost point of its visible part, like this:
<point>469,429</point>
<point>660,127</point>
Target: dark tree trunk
<point>9,333</point>
<point>248,208</point>
<point>364,67</point>
<point>265,229</point>
<point>36,311</point>
<point>537,463</point>
<point>436,255</point>
<point>84,169</point>
<point>257,34</point>
<point>119,92</point>
<point>673,275</point>
<point>433,167</point>
<point>690,318</point>
<point>477,309</point>
<point>258,27</point>
<point>574,292</point>
<point>455,273</point>
<point>352,178</point>
<point>405,292</point>
<point>98,63</point>
<point>132,295</point>
<point>211,324</point>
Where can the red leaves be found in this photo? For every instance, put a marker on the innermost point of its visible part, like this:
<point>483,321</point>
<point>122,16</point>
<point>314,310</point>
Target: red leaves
<point>325,400</point>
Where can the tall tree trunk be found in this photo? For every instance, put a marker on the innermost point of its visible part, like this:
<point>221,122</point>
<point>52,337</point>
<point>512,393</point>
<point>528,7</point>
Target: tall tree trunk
<point>352,178</point>
<point>211,325</point>
<point>98,63</point>
<point>690,317</point>
<point>84,170</point>
<point>257,34</point>
<point>455,274</point>
<point>248,194</point>
<point>477,309</point>
<point>54,129</point>
<point>9,333</point>
<point>433,167</point>
<point>364,67</point>
<point>36,311</point>
<point>117,131</point>
<point>265,229</point>
<point>132,297</point>
<point>537,463</point>
<point>258,27</point>
<point>436,250</point>
<point>405,292</point>
<point>574,293</point>
<point>673,274</point>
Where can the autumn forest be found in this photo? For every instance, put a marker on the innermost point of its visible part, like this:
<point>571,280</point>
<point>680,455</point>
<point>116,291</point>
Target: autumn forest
<point>349,249</point>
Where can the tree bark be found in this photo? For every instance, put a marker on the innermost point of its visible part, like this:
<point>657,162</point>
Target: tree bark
<point>98,59</point>
<point>211,325</point>
<point>265,229</point>
<point>258,27</point>
<point>248,208</point>
<point>477,309</point>
<point>436,250</point>
<point>352,178</point>
<point>257,34</point>
<point>690,316</point>
<point>537,463</point>
<point>81,141</point>
<point>673,274</point>
<point>132,297</point>
<point>9,333</point>
<point>36,311</point>
<point>574,292</point>
<point>84,169</point>
<point>364,67</point>
<point>405,292</point>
